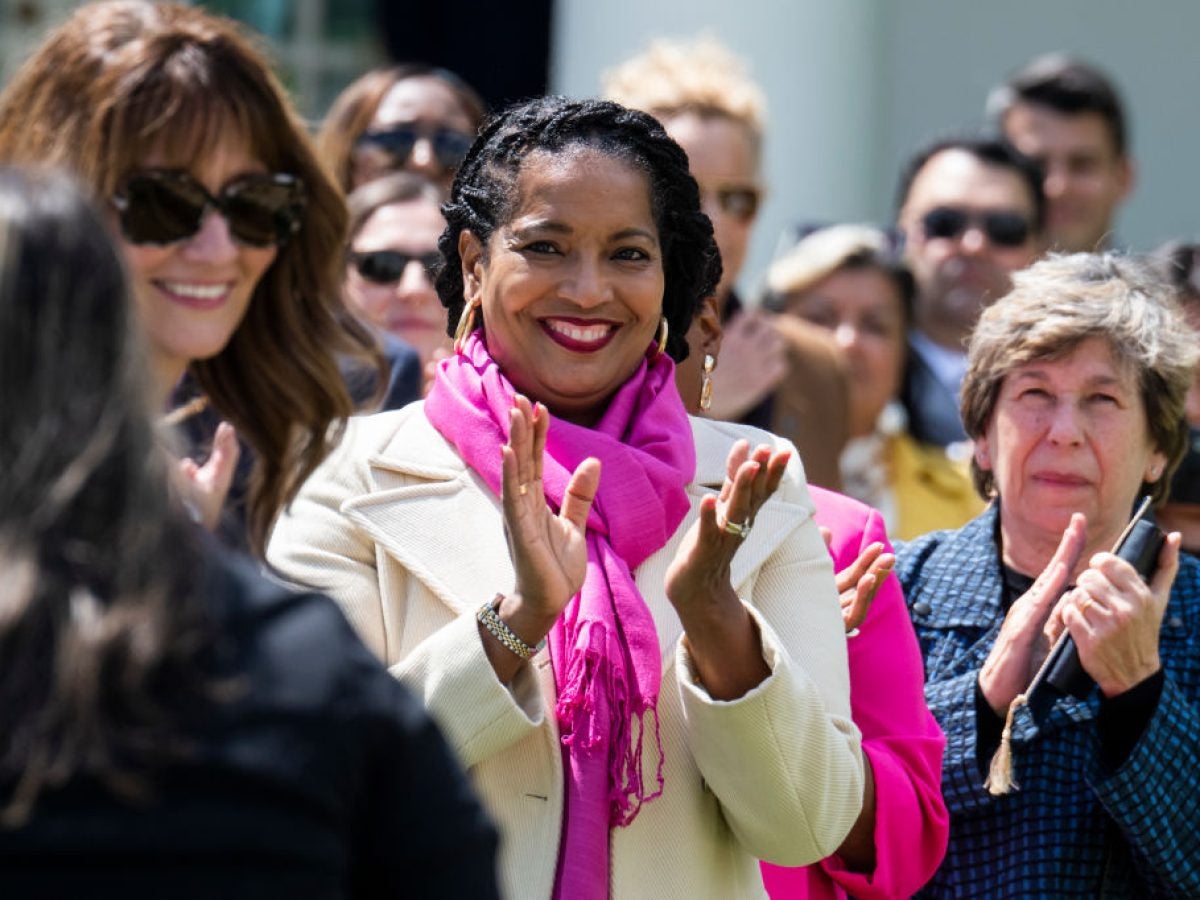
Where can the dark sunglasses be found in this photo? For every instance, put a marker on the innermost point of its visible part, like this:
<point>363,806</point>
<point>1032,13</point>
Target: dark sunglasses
<point>449,146</point>
<point>387,266</point>
<point>1003,228</point>
<point>739,202</point>
<point>162,206</point>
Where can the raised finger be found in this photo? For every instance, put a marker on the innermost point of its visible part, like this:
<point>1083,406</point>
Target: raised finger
<point>541,427</point>
<point>520,439</point>
<point>733,463</point>
<point>581,491</point>
<point>1168,566</point>
<point>771,469</point>
<point>738,506</point>
<point>855,612</point>
<point>862,562</point>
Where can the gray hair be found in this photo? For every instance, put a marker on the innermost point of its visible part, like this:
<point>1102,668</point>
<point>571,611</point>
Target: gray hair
<point>1063,300</point>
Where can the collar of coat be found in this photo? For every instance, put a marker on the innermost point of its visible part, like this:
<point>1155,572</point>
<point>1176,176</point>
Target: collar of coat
<point>417,477</point>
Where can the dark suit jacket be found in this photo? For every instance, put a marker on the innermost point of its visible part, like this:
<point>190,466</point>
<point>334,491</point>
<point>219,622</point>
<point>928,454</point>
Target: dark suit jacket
<point>932,409</point>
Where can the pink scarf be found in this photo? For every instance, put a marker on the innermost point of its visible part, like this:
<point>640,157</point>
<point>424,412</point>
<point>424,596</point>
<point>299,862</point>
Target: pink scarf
<point>604,648</point>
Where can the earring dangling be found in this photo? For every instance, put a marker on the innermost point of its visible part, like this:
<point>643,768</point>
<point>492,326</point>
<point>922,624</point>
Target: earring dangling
<point>466,324</point>
<point>706,382</point>
<point>663,330</point>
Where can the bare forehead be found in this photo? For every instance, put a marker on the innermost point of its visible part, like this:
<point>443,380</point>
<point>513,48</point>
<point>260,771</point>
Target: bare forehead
<point>957,177</point>
<point>581,175</point>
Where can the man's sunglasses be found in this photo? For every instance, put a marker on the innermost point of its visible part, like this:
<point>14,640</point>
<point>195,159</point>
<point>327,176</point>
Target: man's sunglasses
<point>387,266</point>
<point>162,206</point>
<point>449,146</point>
<point>1003,228</point>
<point>739,202</point>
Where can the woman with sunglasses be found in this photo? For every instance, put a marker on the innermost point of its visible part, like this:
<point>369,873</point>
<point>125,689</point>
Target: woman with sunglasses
<point>846,283</point>
<point>691,712</point>
<point>230,230</point>
<point>392,261</point>
<point>411,118</point>
<point>150,679</point>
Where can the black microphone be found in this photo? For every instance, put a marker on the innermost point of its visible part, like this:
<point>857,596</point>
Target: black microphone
<point>1062,674</point>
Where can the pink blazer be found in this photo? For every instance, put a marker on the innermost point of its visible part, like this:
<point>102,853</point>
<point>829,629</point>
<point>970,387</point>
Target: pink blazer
<point>900,737</point>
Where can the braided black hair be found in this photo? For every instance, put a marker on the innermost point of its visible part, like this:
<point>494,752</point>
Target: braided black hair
<point>484,195</point>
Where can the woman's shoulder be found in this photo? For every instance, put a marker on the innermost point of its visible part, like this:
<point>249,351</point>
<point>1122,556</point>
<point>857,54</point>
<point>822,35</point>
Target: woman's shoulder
<point>292,648</point>
<point>946,549</point>
<point>398,438</point>
<point>714,439</point>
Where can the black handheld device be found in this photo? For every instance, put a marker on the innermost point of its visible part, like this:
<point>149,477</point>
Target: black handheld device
<point>1063,675</point>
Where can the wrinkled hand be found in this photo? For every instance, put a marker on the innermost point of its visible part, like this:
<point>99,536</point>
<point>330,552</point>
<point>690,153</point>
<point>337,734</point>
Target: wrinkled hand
<point>859,582</point>
<point>1022,644</point>
<point>1115,617</point>
<point>549,552</point>
<point>699,573</point>
<point>753,363</point>
<point>204,488</point>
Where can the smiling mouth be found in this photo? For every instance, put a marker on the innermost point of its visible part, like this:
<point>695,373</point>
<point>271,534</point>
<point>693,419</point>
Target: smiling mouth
<point>197,296</point>
<point>580,336</point>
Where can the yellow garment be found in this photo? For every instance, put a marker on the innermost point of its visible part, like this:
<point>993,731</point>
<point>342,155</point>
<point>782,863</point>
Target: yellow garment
<point>931,491</point>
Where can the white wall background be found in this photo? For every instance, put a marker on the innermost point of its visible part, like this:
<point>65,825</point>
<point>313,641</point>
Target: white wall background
<point>854,86</point>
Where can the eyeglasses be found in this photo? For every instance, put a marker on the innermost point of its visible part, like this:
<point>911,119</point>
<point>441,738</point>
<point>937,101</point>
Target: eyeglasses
<point>449,146</point>
<point>739,201</point>
<point>162,206</point>
<point>1002,227</point>
<point>388,266</point>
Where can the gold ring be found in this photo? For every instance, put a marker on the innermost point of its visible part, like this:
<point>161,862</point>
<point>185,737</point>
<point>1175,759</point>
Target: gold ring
<point>739,529</point>
<point>523,489</point>
<point>1083,604</point>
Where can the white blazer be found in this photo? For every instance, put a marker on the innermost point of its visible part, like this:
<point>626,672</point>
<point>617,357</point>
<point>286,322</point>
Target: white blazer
<point>410,542</point>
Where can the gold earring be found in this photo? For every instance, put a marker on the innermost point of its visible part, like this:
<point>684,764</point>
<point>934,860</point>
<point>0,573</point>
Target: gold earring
<point>706,382</point>
<point>662,335</point>
<point>466,324</point>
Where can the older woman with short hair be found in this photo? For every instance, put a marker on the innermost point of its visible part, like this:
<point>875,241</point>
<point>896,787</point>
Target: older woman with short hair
<point>1074,395</point>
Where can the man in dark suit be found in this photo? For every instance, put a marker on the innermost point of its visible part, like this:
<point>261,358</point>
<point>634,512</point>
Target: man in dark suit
<point>972,212</point>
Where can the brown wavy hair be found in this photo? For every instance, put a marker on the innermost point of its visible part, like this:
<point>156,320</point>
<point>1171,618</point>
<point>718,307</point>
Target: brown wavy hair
<point>120,79</point>
<point>102,623</point>
<point>355,107</point>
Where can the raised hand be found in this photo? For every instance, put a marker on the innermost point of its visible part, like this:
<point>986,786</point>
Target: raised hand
<point>204,488</point>
<point>860,581</point>
<point>549,552</point>
<point>753,363</point>
<point>720,634</point>
<point>1023,642</point>
<point>1115,617</point>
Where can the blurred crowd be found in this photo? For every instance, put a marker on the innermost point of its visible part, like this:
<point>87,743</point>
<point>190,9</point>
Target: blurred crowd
<point>615,605</point>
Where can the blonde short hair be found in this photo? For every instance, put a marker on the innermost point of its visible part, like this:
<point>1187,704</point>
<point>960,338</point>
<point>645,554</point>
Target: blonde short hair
<point>700,76</point>
<point>1063,300</point>
<point>832,249</point>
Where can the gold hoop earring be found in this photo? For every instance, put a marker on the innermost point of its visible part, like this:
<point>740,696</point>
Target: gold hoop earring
<point>663,330</point>
<point>466,324</point>
<point>706,382</point>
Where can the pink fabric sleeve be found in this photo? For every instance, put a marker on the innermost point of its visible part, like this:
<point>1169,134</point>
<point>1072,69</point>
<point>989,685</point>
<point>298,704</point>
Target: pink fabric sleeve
<point>900,737</point>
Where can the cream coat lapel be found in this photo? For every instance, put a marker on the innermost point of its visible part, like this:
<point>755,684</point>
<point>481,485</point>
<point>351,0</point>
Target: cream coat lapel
<point>442,523</point>
<point>436,517</point>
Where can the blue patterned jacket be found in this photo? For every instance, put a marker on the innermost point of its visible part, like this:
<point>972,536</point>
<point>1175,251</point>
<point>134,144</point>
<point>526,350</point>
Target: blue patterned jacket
<point>1073,829</point>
